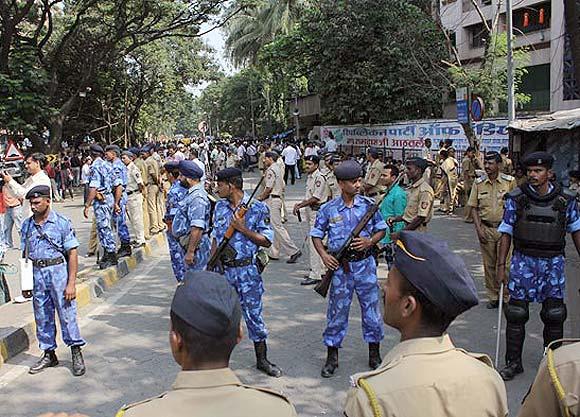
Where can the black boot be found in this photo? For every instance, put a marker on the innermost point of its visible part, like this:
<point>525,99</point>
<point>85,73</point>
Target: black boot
<point>553,315</point>
<point>374,355</point>
<point>124,250</point>
<point>515,335</point>
<point>262,362</point>
<point>78,363</point>
<point>109,259</point>
<point>331,362</point>
<point>48,360</point>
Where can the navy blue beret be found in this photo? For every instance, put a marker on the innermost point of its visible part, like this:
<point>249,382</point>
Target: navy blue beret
<point>418,162</point>
<point>147,148</point>
<point>374,152</point>
<point>272,154</point>
<point>38,191</point>
<point>190,169</point>
<point>128,153</point>
<point>493,156</point>
<point>95,147</point>
<point>543,159</point>
<point>113,148</point>
<point>227,173</point>
<point>171,165</point>
<point>348,170</point>
<point>134,150</point>
<point>312,158</point>
<point>206,302</point>
<point>439,274</point>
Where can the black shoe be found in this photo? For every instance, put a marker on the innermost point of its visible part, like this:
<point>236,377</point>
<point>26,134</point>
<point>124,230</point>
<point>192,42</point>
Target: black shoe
<point>309,281</point>
<point>492,304</point>
<point>294,258</point>
<point>331,362</point>
<point>262,362</point>
<point>48,360</point>
<point>124,250</point>
<point>511,370</point>
<point>138,245</point>
<point>78,363</point>
<point>374,355</point>
<point>109,259</point>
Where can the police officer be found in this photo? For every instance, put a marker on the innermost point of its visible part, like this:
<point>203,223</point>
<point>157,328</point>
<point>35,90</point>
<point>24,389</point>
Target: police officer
<point>153,189</point>
<point>205,328</point>
<point>49,241</point>
<point>330,161</point>
<point>486,201</point>
<point>175,195</point>
<point>420,195</point>
<point>101,198</point>
<point>468,167</point>
<point>537,216</point>
<point>119,181</point>
<point>449,176</point>
<point>371,185</point>
<point>135,189</point>
<point>140,162</point>
<point>337,219</point>
<point>273,195</point>
<point>425,374</point>
<point>507,164</point>
<point>191,221</point>
<point>317,193</point>
<point>239,263</point>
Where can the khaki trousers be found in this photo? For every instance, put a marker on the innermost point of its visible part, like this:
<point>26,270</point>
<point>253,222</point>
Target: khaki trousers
<point>317,267</point>
<point>282,242</point>
<point>93,238</point>
<point>489,253</point>
<point>439,188</point>
<point>449,197</point>
<point>145,216</point>
<point>468,185</point>
<point>153,209</point>
<point>135,215</point>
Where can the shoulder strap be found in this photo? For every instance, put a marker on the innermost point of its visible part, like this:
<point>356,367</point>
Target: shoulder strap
<point>560,392</point>
<point>372,396</point>
<point>50,242</point>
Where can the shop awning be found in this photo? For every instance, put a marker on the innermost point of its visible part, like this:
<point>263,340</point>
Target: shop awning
<point>563,120</point>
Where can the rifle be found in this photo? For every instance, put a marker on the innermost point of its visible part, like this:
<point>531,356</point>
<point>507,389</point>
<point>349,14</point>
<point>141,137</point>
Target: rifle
<point>240,212</point>
<point>323,286</point>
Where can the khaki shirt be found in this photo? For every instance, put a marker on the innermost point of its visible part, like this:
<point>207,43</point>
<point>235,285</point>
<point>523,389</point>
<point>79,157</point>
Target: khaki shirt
<point>430,377</point>
<point>212,393</point>
<point>420,197</point>
<point>542,400</point>
<point>468,169</point>
<point>332,183</point>
<point>449,166</point>
<point>140,163</point>
<point>507,165</point>
<point>316,187</point>
<point>274,179</point>
<point>487,196</point>
<point>134,178</point>
<point>373,176</point>
<point>152,171</point>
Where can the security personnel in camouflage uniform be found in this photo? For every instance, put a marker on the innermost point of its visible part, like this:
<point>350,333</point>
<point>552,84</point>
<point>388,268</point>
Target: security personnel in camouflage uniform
<point>119,181</point>
<point>486,201</point>
<point>336,219</point>
<point>49,242</point>
<point>205,328</point>
<point>371,185</point>
<point>317,193</point>
<point>176,194</point>
<point>536,217</point>
<point>239,260</point>
<point>101,198</point>
<point>191,222</point>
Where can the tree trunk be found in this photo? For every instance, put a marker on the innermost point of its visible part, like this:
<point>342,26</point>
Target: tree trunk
<point>470,135</point>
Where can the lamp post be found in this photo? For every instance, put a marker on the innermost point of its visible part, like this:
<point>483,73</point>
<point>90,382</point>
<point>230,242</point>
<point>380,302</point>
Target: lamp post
<point>510,63</point>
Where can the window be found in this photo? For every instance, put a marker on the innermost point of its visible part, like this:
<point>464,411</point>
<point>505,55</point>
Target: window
<point>536,83</point>
<point>532,18</point>
<point>478,35</point>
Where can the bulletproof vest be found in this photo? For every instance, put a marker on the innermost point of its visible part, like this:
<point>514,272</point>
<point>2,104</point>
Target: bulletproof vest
<point>540,229</point>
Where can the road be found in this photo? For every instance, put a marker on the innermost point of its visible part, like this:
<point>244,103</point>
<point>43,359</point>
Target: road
<point>128,357</point>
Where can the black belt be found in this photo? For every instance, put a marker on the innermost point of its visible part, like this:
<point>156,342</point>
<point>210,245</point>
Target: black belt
<point>275,196</point>
<point>236,263</point>
<point>41,263</point>
<point>356,256</point>
<point>491,224</point>
<point>133,192</point>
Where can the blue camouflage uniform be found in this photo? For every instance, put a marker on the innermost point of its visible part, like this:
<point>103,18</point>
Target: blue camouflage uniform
<point>120,178</point>
<point>531,278</point>
<point>336,220</point>
<point>176,194</point>
<point>193,211</point>
<point>100,178</point>
<point>50,281</point>
<point>246,279</point>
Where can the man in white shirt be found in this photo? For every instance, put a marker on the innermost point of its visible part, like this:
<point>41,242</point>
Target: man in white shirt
<point>290,155</point>
<point>252,160</point>
<point>331,145</point>
<point>241,151</point>
<point>310,150</point>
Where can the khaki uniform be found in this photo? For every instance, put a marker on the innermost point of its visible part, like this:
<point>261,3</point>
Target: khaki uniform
<point>332,183</point>
<point>542,400</point>
<point>372,178</point>
<point>93,238</point>
<point>135,203</point>
<point>487,198</point>
<point>140,163</point>
<point>420,197</point>
<point>154,211</point>
<point>282,241</point>
<point>468,168</point>
<point>449,168</point>
<point>316,186</point>
<point>507,165</point>
<point>212,393</point>
<point>429,377</point>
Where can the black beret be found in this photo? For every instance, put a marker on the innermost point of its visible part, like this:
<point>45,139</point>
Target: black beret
<point>113,148</point>
<point>171,165</point>
<point>135,150</point>
<point>348,170</point>
<point>418,162</point>
<point>228,173</point>
<point>374,152</point>
<point>492,156</point>
<point>96,148</point>
<point>331,158</point>
<point>128,153</point>
<point>190,169</point>
<point>272,154</point>
<point>312,158</point>
<point>38,191</point>
<point>543,159</point>
<point>208,303</point>
<point>574,174</point>
<point>439,274</point>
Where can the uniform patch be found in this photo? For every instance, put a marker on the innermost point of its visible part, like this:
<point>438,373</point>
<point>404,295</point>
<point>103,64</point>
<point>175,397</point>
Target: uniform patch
<point>335,219</point>
<point>424,205</point>
<point>267,220</point>
<point>318,183</point>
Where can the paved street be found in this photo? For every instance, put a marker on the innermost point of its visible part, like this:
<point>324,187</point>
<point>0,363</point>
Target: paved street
<point>128,356</point>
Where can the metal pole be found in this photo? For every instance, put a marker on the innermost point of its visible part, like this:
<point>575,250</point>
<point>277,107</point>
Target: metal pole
<point>510,63</point>
<point>296,119</point>
<point>498,338</point>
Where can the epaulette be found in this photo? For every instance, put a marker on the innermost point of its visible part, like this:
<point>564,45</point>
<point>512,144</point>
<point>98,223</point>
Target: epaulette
<point>516,192</point>
<point>481,179</point>
<point>482,357</point>
<point>507,177</point>
<point>121,412</point>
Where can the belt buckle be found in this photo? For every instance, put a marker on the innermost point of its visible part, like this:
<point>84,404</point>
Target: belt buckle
<point>41,263</point>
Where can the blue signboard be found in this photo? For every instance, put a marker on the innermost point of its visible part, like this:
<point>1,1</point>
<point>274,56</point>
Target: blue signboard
<point>461,99</point>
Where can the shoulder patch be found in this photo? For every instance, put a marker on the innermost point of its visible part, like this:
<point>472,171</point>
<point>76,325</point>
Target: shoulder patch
<point>481,179</point>
<point>482,357</point>
<point>507,177</point>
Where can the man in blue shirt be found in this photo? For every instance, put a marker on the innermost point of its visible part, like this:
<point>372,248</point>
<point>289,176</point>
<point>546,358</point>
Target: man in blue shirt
<point>336,219</point>
<point>49,242</point>
<point>119,181</point>
<point>175,195</point>
<point>393,205</point>
<point>537,216</point>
